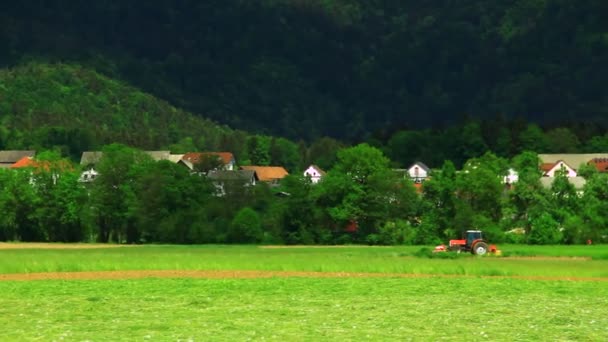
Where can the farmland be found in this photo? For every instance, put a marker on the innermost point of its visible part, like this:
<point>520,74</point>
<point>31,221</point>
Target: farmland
<point>347,293</point>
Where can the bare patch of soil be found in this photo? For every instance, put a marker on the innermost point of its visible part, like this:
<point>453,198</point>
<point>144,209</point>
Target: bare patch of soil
<point>32,245</point>
<point>316,246</point>
<point>225,274</point>
<point>548,258</point>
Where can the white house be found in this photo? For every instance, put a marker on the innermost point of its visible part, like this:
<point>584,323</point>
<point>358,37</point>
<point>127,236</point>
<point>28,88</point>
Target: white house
<point>315,173</point>
<point>560,165</point>
<point>418,172</point>
<point>511,177</point>
<point>88,175</point>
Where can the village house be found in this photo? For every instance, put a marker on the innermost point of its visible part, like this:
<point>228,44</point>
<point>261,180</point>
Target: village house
<point>190,159</point>
<point>572,161</point>
<point>549,169</point>
<point>89,159</point>
<point>9,158</point>
<point>315,173</point>
<point>418,172</point>
<point>577,182</point>
<point>600,164</point>
<point>269,174</point>
<point>511,177</point>
<point>224,179</point>
<point>55,167</point>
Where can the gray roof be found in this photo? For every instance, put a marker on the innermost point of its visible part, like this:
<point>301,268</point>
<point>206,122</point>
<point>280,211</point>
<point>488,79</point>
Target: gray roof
<point>225,175</point>
<point>422,165</point>
<point>578,182</point>
<point>93,157</point>
<point>90,157</point>
<point>574,160</point>
<point>11,157</point>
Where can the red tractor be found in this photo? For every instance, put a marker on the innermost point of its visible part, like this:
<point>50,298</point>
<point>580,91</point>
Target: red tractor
<point>473,242</point>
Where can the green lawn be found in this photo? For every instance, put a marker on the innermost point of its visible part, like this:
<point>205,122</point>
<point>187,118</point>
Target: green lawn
<point>306,309</point>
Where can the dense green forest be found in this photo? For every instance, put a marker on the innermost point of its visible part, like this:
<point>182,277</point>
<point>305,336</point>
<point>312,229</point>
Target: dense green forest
<point>71,109</point>
<point>339,68</point>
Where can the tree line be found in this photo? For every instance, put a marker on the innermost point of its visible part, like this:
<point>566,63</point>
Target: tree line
<point>360,200</point>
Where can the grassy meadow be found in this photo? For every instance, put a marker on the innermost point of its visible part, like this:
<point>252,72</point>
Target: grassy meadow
<point>430,308</point>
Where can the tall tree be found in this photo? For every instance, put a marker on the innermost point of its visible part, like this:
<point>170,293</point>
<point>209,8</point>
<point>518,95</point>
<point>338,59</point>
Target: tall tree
<point>112,193</point>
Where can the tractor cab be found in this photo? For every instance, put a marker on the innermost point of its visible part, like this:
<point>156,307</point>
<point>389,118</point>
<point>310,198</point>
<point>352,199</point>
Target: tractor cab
<point>471,236</point>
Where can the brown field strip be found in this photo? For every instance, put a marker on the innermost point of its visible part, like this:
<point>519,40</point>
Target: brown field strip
<point>44,245</point>
<point>225,274</point>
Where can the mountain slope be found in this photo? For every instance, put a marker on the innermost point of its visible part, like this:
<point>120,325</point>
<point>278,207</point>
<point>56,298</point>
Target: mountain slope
<point>342,68</point>
<point>66,105</point>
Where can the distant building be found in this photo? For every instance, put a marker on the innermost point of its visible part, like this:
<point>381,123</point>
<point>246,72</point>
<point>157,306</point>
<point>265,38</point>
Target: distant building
<point>577,182</point>
<point>573,162</point>
<point>268,174</point>
<point>418,172</point>
<point>89,159</point>
<point>9,158</point>
<point>600,164</point>
<point>192,158</point>
<point>559,166</point>
<point>315,173</point>
<point>223,179</point>
<point>511,177</point>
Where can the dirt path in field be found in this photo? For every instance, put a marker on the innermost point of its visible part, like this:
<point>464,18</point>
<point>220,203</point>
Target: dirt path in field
<point>42,245</point>
<point>224,274</point>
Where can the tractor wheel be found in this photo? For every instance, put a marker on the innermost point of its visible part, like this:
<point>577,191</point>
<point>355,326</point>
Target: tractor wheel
<point>480,248</point>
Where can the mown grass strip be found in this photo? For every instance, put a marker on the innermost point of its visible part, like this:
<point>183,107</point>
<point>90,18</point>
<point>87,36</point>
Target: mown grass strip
<point>349,259</point>
<point>305,309</point>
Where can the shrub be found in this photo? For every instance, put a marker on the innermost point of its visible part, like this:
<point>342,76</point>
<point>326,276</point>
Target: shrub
<point>544,230</point>
<point>246,227</point>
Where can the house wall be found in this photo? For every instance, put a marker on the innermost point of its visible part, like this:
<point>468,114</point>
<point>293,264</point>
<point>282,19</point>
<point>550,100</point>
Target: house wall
<point>512,177</point>
<point>313,173</point>
<point>230,166</point>
<point>417,172</point>
<point>569,171</point>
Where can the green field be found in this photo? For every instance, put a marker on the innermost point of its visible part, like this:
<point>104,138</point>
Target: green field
<point>519,305</point>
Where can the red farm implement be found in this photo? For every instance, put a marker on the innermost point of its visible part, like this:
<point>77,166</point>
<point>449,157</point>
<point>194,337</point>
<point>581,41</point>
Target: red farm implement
<point>473,242</point>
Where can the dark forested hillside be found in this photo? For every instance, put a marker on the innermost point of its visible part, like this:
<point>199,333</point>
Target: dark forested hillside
<point>75,109</point>
<point>344,68</point>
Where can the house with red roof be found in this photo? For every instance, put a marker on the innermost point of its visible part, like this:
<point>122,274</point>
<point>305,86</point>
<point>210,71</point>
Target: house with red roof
<point>9,158</point>
<point>36,166</point>
<point>268,174</point>
<point>559,166</point>
<point>226,159</point>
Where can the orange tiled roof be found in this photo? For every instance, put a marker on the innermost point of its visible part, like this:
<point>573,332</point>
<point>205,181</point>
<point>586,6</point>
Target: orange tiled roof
<point>546,167</point>
<point>24,162</point>
<point>195,157</point>
<point>30,162</point>
<point>268,173</point>
<point>600,164</point>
